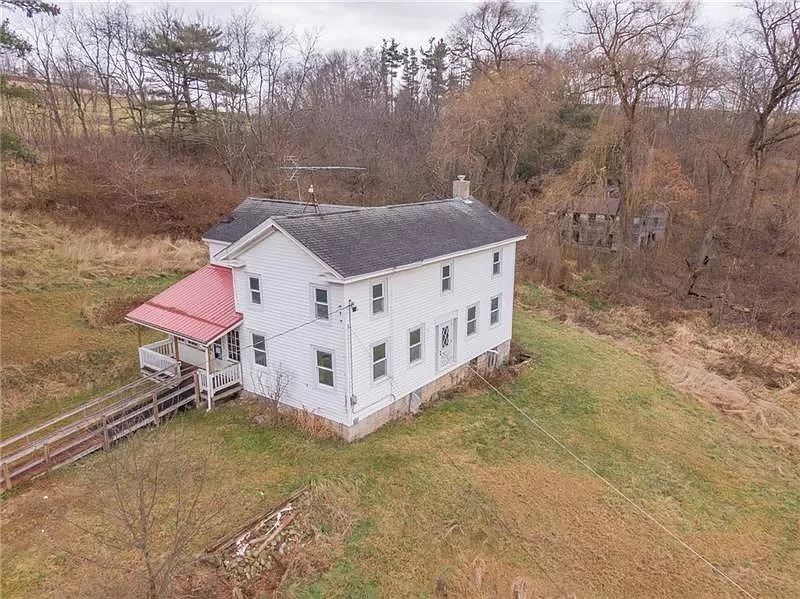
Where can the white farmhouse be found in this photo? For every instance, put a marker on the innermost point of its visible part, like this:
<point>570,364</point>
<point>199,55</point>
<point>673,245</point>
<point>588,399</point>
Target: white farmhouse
<point>356,315</point>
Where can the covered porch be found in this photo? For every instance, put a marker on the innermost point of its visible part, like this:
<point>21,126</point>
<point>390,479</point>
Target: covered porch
<point>198,317</point>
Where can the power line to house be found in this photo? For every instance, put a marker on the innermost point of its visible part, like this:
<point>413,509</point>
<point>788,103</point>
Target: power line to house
<point>611,485</point>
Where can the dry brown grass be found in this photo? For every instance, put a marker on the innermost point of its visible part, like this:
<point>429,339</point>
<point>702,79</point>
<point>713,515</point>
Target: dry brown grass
<point>751,377</point>
<point>38,252</point>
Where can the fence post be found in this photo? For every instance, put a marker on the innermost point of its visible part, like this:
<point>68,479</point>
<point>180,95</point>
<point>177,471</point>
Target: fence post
<point>196,377</point>
<point>6,475</point>
<point>155,408</point>
<point>106,439</point>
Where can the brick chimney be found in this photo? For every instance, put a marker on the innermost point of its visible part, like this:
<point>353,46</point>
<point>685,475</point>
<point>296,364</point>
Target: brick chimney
<point>461,187</point>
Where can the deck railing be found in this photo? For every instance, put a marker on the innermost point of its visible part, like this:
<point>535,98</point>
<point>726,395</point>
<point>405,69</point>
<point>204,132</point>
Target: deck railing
<point>159,356</point>
<point>220,380</point>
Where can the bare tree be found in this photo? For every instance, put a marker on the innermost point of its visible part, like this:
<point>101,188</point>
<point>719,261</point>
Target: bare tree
<point>633,49</point>
<point>767,78</point>
<point>494,33</point>
<point>156,502</point>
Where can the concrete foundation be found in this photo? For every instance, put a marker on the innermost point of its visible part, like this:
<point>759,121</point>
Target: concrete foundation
<point>408,404</point>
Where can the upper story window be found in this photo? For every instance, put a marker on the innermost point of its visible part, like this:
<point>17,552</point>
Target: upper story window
<point>472,320</point>
<point>378,291</point>
<point>496,263</point>
<point>324,367</point>
<point>320,303</point>
<point>447,276</point>
<point>494,310</point>
<point>379,361</point>
<point>255,289</point>
<point>259,350</point>
<point>415,345</point>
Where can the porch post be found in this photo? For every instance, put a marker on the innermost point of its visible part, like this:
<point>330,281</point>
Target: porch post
<point>138,335</point>
<point>209,390</point>
<point>175,347</point>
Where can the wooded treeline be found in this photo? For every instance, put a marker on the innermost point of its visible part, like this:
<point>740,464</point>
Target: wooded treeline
<point>172,117</point>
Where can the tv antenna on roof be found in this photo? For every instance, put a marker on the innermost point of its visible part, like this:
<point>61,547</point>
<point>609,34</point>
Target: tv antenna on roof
<point>293,169</point>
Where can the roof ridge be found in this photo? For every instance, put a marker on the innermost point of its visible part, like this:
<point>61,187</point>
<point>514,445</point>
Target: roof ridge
<point>405,204</point>
<point>295,202</point>
<point>335,213</point>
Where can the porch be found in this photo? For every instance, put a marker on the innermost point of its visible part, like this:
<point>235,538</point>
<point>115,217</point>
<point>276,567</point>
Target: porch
<point>198,315</point>
<point>218,376</point>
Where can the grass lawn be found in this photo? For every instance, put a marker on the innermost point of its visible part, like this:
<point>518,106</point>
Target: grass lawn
<point>64,346</point>
<point>470,499</point>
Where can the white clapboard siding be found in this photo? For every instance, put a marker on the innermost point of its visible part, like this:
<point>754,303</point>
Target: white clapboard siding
<point>214,247</point>
<point>415,298</point>
<point>287,273</point>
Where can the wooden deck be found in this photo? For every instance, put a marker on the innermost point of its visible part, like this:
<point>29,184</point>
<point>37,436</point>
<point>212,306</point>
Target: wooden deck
<point>95,425</point>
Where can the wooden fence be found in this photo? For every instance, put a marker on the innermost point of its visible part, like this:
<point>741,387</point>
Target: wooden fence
<point>94,425</point>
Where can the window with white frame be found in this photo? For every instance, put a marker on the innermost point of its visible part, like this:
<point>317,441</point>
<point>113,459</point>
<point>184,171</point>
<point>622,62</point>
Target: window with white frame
<point>494,310</point>
<point>447,276</point>
<point>255,289</point>
<point>324,361</point>
<point>472,320</point>
<point>234,352</point>
<point>379,361</point>
<point>496,255</point>
<point>415,345</point>
<point>259,349</point>
<point>320,302</point>
<point>378,292</point>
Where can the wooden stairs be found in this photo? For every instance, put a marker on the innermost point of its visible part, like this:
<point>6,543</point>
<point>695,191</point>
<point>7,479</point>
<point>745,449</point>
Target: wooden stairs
<point>95,425</point>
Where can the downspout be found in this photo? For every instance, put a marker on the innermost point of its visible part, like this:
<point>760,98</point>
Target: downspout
<point>349,400</point>
<point>209,390</point>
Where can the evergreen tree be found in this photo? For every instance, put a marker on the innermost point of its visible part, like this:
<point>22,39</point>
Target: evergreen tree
<point>182,59</point>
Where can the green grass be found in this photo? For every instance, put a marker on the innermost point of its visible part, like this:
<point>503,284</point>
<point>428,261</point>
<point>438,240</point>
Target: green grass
<point>471,479</point>
<point>55,358</point>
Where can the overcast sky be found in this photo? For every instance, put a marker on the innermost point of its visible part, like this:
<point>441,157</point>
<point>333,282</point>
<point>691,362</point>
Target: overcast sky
<point>357,24</point>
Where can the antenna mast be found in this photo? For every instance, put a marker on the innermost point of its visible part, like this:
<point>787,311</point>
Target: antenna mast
<point>293,169</point>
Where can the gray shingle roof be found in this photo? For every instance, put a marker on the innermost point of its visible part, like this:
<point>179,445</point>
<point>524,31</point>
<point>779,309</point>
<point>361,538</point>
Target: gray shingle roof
<point>361,241</point>
<point>254,211</point>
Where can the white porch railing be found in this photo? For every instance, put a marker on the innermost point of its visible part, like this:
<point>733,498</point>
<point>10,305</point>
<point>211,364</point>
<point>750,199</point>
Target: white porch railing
<point>159,356</point>
<point>220,380</point>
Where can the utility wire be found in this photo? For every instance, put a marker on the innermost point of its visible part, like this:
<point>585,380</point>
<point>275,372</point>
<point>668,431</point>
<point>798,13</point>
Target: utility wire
<point>639,508</point>
<point>300,326</point>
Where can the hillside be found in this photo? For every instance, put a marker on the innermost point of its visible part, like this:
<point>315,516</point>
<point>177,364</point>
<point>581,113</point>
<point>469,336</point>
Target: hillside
<point>470,496</point>
<point>473,499</point>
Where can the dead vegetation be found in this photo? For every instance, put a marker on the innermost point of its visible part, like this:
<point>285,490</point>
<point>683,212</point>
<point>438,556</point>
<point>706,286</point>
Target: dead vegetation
<point>295,540</point>
<point>750,376</point>
<point>39,253</point>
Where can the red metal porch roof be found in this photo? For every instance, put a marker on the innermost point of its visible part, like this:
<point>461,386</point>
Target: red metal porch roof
<point>200,307</point>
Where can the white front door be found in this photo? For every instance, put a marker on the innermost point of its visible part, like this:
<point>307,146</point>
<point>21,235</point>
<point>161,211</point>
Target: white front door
<point>445,344</point>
